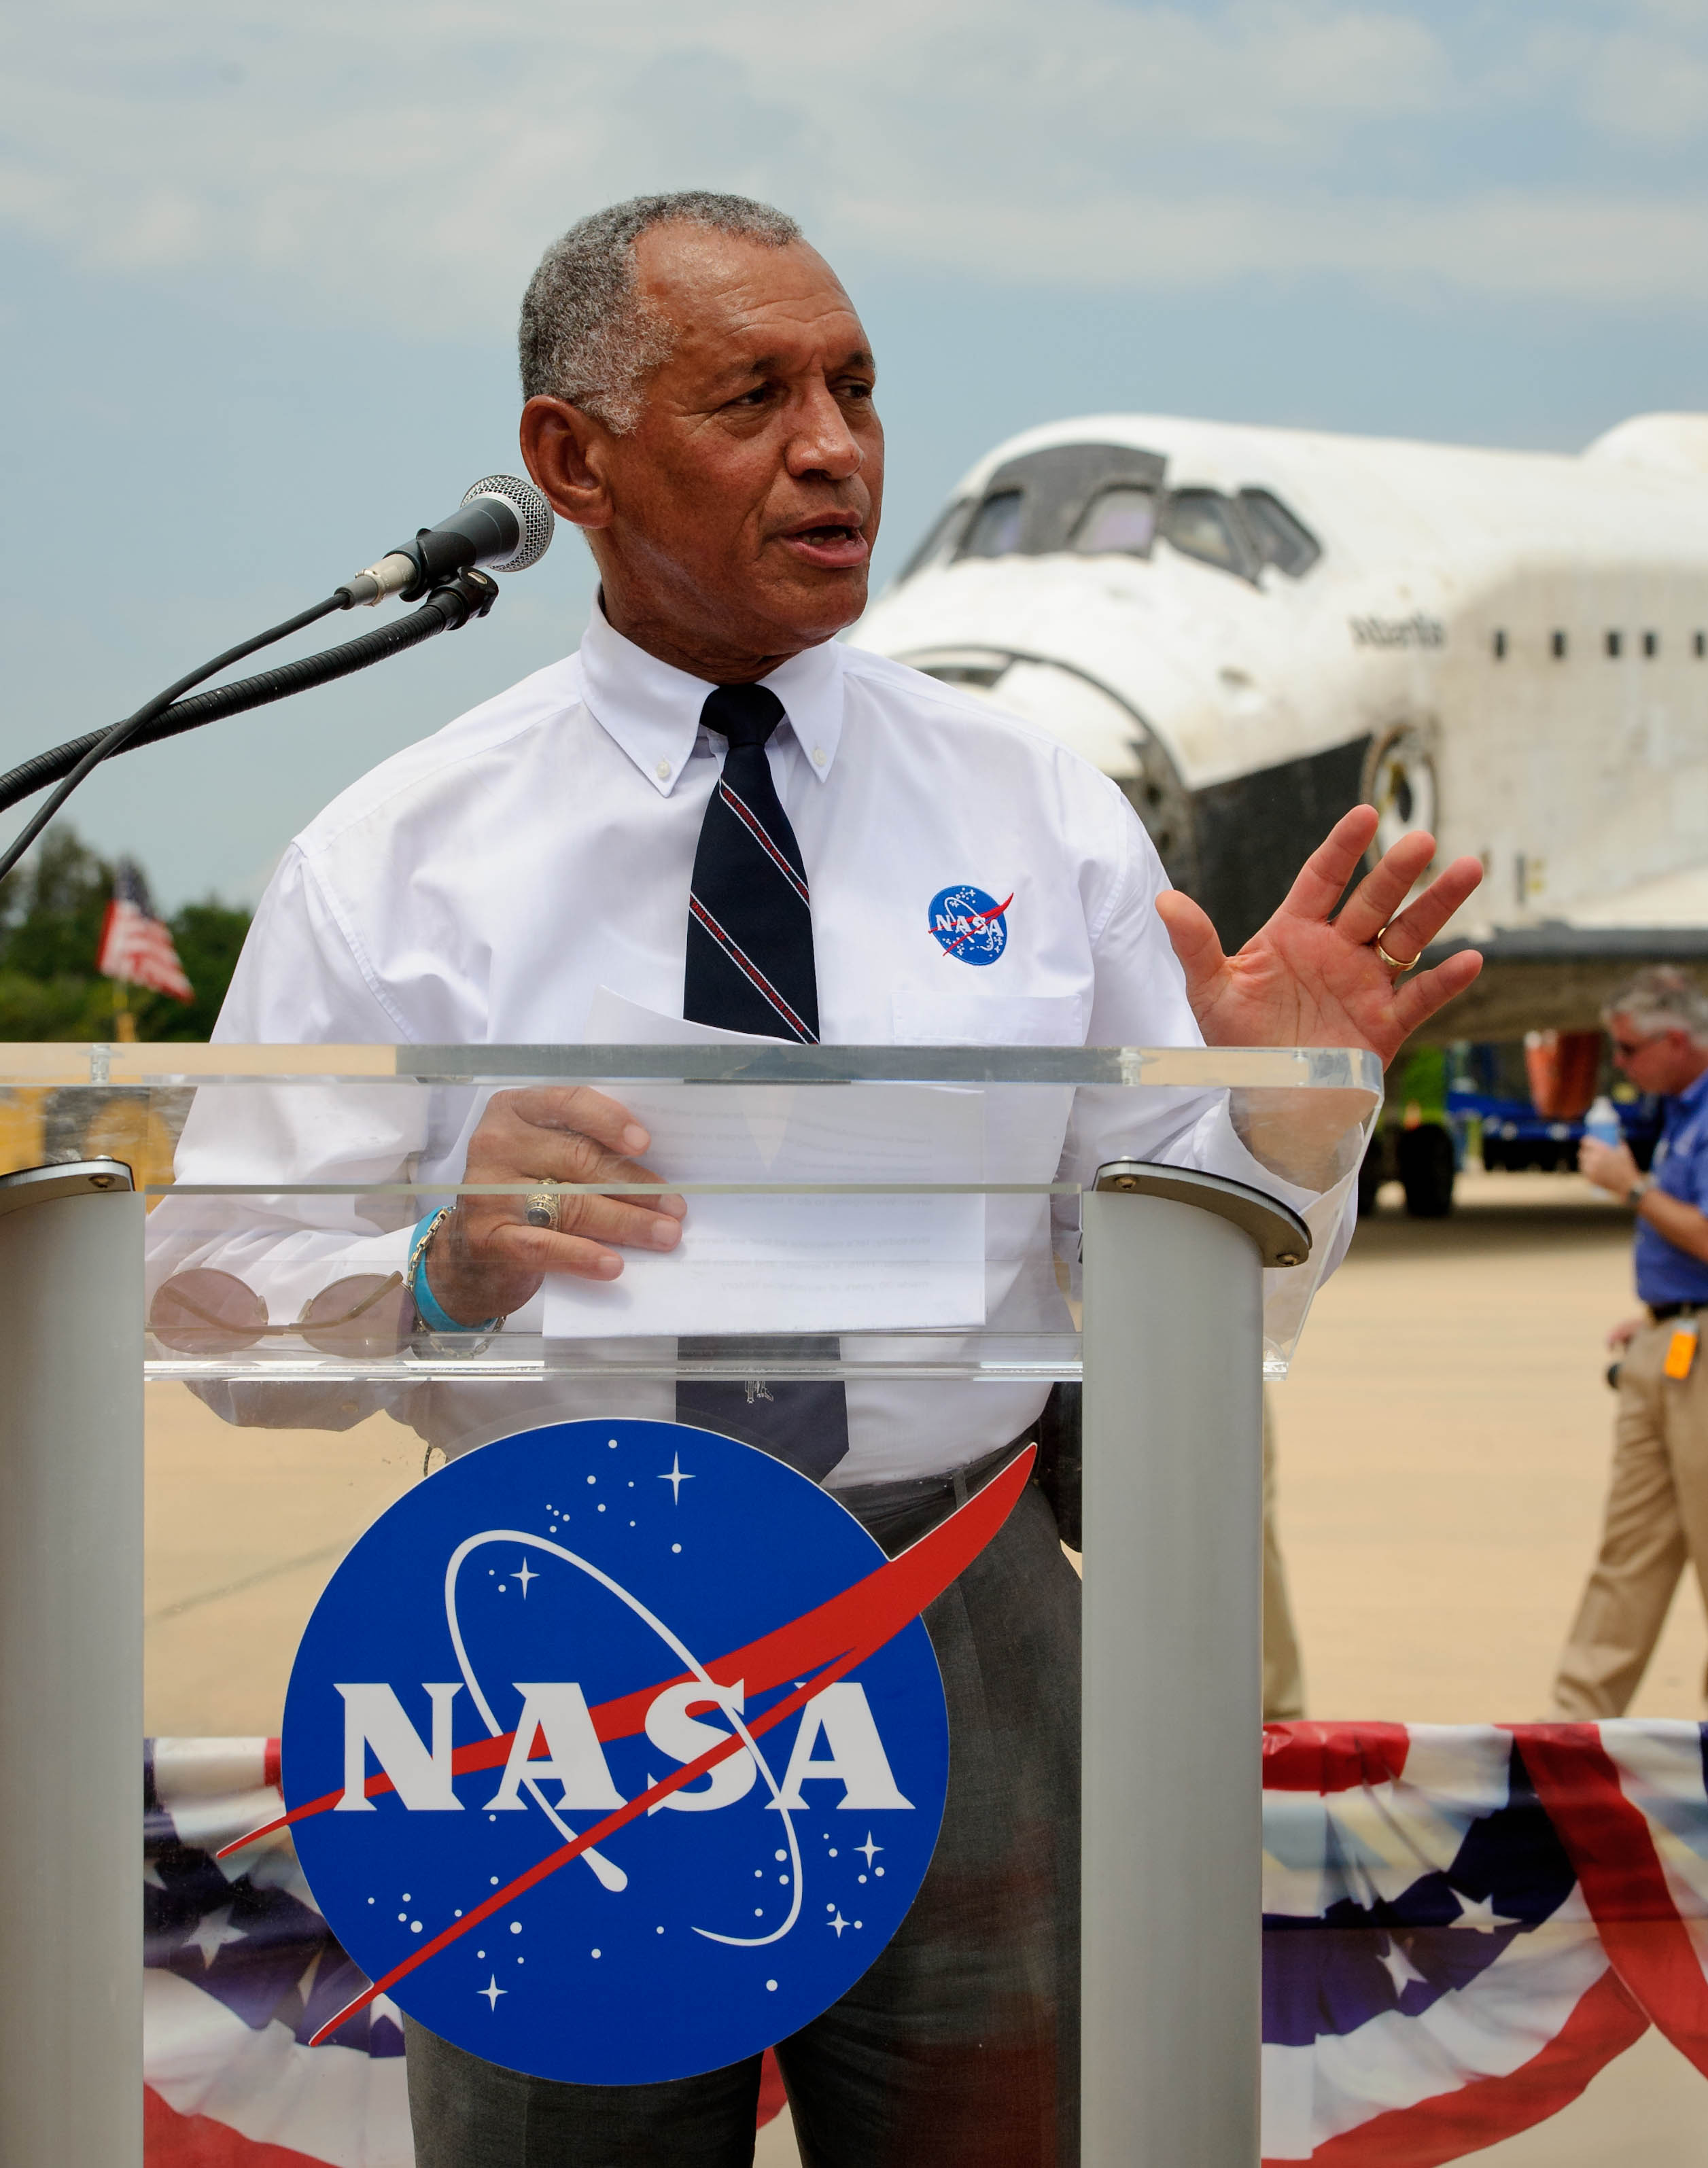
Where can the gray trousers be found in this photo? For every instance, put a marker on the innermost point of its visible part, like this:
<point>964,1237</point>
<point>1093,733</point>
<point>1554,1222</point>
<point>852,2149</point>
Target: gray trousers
<point>960,2048</point>
<point>1284,1677</point>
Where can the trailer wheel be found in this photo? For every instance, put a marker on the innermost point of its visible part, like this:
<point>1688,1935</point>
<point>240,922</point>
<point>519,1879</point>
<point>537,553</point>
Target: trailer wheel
<point>1426,1169</point>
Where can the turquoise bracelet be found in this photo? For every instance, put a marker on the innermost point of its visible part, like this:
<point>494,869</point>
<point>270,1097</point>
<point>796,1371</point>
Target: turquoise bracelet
<point>421,1294</point>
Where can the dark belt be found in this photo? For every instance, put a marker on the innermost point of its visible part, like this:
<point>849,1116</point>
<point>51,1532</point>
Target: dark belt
<point>1662,1311</point>
<point>899,1513</point>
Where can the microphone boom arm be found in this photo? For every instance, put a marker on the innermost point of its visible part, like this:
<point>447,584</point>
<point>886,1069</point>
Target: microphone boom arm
<point>468,593</point>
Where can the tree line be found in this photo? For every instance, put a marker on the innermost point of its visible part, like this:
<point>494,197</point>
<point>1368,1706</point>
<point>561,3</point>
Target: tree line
<point>52,908</point>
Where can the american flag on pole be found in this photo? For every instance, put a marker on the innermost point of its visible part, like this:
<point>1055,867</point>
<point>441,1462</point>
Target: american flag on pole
<point>135,944</point>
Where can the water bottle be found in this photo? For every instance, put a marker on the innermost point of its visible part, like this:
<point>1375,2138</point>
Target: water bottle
<point>1602,1122</point>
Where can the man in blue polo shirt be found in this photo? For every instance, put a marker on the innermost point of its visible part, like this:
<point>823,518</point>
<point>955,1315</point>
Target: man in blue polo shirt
<point>1657,1501</point>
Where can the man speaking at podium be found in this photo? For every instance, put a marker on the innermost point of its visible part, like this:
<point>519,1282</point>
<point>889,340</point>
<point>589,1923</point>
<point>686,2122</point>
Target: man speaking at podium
<point>717,811</point>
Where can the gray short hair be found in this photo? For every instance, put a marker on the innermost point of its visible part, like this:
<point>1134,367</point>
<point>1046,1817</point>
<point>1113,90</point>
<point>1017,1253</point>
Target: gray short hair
<point>1662,998</point>
<point>587,335</point>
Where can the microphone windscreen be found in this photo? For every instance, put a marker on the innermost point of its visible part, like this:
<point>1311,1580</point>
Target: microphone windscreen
<point>535,519</point>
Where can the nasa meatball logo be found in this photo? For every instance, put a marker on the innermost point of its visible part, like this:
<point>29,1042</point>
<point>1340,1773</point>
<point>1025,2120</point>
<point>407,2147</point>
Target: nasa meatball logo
<point>615,1751</point>
<point>969,925</point>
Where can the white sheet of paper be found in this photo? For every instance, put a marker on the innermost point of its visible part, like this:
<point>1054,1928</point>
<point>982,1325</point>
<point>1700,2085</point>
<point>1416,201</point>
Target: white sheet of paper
<point>760,1263</point>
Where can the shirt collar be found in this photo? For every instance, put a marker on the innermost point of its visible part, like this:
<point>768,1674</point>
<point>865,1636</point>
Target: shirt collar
<point>651,709</point>
<point>1692,1096</point>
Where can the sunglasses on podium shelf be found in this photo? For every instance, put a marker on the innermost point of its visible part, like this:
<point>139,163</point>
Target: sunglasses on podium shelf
<point>204,1312</point>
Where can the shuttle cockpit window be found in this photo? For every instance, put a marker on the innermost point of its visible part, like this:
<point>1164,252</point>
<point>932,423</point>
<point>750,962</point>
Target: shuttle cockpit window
<point>1282,540</point>
<point>995,531</point>
<point>943,540</point>
<point>1201,523</point>
<point>1037,504</point>
<point>1121,519</point>
<point>1112,500</point>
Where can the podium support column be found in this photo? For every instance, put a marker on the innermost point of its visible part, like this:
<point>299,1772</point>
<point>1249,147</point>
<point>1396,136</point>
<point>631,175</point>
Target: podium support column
<point>70,1666</point>
<point>1172,1902</point>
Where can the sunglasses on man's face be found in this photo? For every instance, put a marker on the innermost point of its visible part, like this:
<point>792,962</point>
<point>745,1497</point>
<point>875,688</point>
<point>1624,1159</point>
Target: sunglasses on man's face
<point>202,1312</point>
<point>1626,1049</point>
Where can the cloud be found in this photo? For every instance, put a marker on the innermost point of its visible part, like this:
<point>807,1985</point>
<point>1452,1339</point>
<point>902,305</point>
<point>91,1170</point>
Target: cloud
<point>352,160</point>
<point>1503,242</point>
<point>1646,89</point>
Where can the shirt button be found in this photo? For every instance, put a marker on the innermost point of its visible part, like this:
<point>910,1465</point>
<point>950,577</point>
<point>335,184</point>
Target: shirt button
<point>819,755</point>
<point>663,771</point>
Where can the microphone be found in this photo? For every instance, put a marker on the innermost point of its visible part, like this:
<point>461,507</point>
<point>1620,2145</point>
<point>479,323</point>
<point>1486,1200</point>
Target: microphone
<point>503,523</point>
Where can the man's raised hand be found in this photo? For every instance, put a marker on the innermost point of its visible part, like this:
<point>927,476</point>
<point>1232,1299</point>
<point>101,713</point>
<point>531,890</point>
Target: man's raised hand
<point>1308,979</point>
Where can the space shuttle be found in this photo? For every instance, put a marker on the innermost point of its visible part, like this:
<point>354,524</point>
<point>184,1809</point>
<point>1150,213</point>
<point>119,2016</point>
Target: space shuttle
<point>1251,629</point>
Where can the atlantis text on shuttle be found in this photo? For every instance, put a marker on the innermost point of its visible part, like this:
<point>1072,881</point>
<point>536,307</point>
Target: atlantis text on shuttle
<point>1414,631</point>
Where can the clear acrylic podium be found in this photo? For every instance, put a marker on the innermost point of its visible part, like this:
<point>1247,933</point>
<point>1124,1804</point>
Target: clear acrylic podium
<point>958,1230</point>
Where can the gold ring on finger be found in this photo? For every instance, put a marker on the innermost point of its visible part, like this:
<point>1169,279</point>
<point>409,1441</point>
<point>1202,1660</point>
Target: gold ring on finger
<point>541,1208</point>
<point>1393,963</point>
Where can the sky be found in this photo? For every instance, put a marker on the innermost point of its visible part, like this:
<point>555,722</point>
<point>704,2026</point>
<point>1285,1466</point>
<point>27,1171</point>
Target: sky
<point>259,269</point>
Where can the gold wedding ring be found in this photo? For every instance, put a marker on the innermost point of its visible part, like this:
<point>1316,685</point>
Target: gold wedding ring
<point>1393,963</point>
<point>540,1209</point>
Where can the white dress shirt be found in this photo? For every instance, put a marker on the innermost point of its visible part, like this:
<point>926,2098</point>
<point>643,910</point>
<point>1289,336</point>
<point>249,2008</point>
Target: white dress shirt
<point>480,886</point>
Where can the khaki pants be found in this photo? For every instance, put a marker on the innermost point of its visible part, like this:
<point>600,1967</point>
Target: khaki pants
<point>1284,1684</point>
<point>1657,1517</point>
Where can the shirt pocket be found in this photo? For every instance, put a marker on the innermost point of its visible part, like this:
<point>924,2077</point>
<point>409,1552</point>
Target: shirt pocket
<point>922,1016</point>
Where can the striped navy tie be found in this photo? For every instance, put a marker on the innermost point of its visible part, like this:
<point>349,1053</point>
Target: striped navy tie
<point>750,916</point>
<point>750,968</point>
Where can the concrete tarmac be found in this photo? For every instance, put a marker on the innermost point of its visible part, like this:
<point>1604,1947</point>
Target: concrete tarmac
<point>1444,1443</point>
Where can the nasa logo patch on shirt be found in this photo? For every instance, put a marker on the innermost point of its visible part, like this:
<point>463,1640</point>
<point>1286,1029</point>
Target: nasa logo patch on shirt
<point>615,1750</point>
<point>970,925</point>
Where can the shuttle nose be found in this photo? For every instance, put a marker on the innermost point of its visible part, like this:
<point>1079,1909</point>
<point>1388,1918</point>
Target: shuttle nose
<point>1098,723</point>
